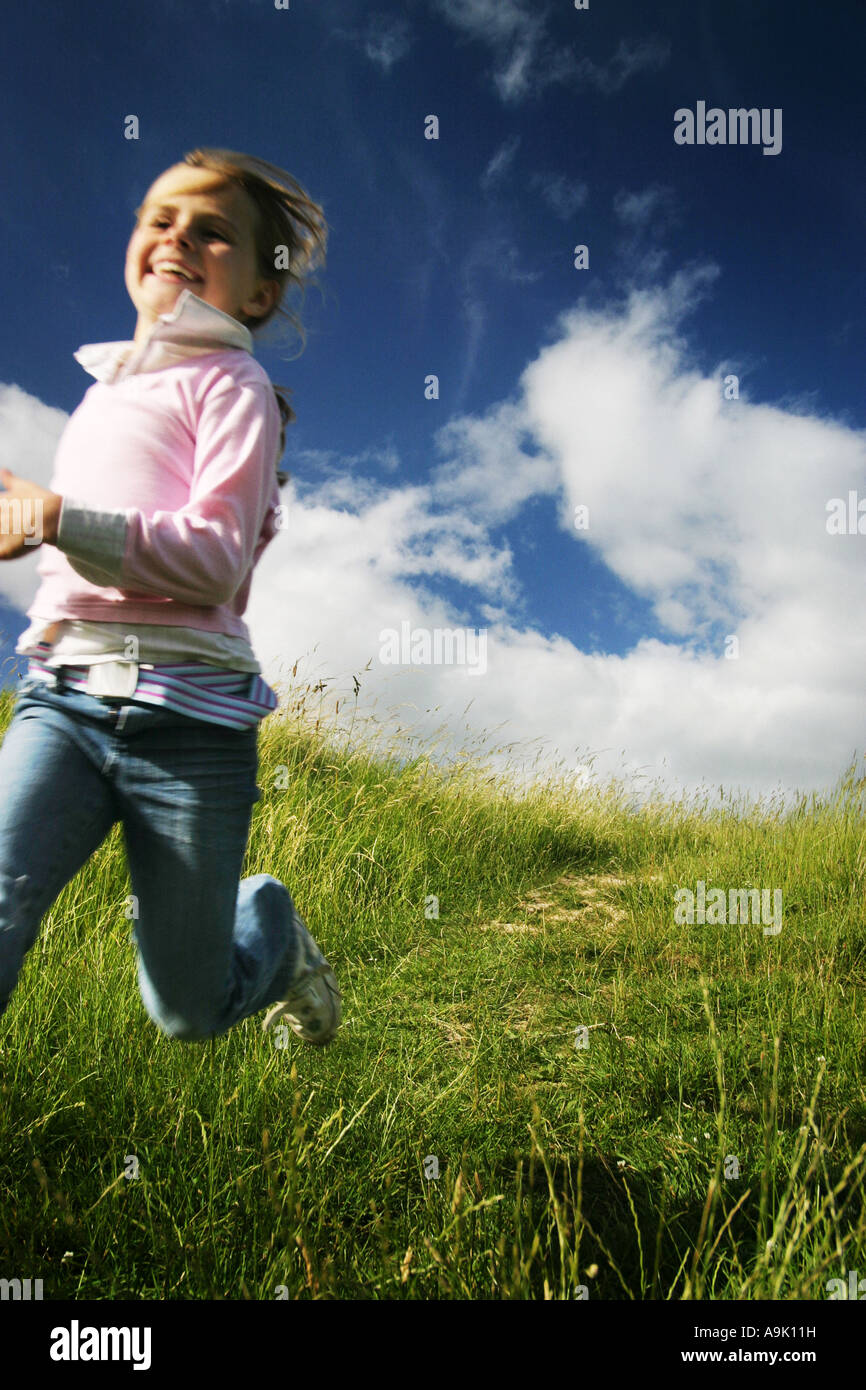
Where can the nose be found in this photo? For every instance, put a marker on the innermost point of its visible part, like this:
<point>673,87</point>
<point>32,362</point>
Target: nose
<point>178,234</point>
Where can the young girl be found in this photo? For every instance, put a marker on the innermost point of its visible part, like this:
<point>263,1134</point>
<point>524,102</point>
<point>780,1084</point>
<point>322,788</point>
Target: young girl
<point>143,695</point>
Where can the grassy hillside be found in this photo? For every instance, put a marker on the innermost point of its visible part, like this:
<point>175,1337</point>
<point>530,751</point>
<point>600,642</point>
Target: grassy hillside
<point>618,1104</point>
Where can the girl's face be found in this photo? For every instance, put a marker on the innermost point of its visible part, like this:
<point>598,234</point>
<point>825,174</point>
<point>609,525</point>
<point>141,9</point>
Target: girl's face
<point>189,238</point>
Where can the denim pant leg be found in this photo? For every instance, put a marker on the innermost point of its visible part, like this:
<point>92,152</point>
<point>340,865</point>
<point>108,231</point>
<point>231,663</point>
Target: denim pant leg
<point>55,809</point>
<point>212,949</point>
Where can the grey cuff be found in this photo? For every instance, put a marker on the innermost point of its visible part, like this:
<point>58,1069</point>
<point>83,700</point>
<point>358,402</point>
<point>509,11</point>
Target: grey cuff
<point>92,541</point>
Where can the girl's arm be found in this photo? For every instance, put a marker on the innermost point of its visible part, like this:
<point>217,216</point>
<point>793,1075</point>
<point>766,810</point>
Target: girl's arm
<point>201,553</point>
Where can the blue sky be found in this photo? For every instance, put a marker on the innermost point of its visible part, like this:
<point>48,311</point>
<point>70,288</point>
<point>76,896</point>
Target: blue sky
<point>558,387</point>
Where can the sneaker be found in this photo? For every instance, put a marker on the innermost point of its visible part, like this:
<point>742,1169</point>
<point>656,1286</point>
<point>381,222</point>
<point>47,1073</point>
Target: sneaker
<point>312,1006</point>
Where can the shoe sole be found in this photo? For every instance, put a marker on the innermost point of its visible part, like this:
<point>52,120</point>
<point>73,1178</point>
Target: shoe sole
<point>283,1010</point>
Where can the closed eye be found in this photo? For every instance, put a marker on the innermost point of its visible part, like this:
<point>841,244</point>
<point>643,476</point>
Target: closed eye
<point>209,232</point>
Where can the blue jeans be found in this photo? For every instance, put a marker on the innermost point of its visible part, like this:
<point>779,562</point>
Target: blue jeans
<point>212,949</point>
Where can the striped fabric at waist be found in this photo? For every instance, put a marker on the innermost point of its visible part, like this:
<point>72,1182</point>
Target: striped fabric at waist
<point>234,699</point>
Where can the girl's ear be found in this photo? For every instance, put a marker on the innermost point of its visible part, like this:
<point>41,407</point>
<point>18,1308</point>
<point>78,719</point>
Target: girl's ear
<point>263,300</point>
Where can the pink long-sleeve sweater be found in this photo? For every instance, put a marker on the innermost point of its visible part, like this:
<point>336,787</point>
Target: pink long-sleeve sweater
<point>167,470</point>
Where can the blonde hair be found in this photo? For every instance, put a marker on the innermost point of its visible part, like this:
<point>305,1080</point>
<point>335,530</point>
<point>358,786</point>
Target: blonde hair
<point>287,217</point>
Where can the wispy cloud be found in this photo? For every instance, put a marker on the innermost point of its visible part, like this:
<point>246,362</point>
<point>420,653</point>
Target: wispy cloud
<point>631,57</point>
<point>637,210</point>
<point>646,217</point>
<point>528,58</point>
<point>384,39</point>
<point>490,258</point>
<point>499,164</point>
<point>562,195</point>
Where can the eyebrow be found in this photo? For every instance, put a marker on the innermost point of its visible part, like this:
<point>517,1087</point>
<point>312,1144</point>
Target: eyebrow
<point>202,217</point>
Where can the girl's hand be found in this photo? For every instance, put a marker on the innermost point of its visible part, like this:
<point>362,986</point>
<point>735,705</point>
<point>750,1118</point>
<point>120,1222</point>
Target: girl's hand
<point>29,515</point>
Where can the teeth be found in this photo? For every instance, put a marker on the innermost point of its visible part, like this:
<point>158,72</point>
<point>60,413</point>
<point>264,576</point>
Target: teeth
<point>176,269</point>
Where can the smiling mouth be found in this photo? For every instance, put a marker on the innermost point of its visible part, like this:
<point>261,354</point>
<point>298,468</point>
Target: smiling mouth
<point>173,273</point>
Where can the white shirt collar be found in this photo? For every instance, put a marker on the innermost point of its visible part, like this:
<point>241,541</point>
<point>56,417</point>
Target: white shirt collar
<point>192,328</point>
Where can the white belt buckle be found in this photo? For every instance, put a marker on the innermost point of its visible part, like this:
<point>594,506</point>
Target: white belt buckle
<point>115,678</point>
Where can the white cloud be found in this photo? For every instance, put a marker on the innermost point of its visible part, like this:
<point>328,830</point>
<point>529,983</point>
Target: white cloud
<point>488,468</point>
<point>713,511</point>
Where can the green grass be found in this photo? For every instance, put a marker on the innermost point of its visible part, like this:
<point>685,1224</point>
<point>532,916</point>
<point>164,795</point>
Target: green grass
<point>710,1049</point>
